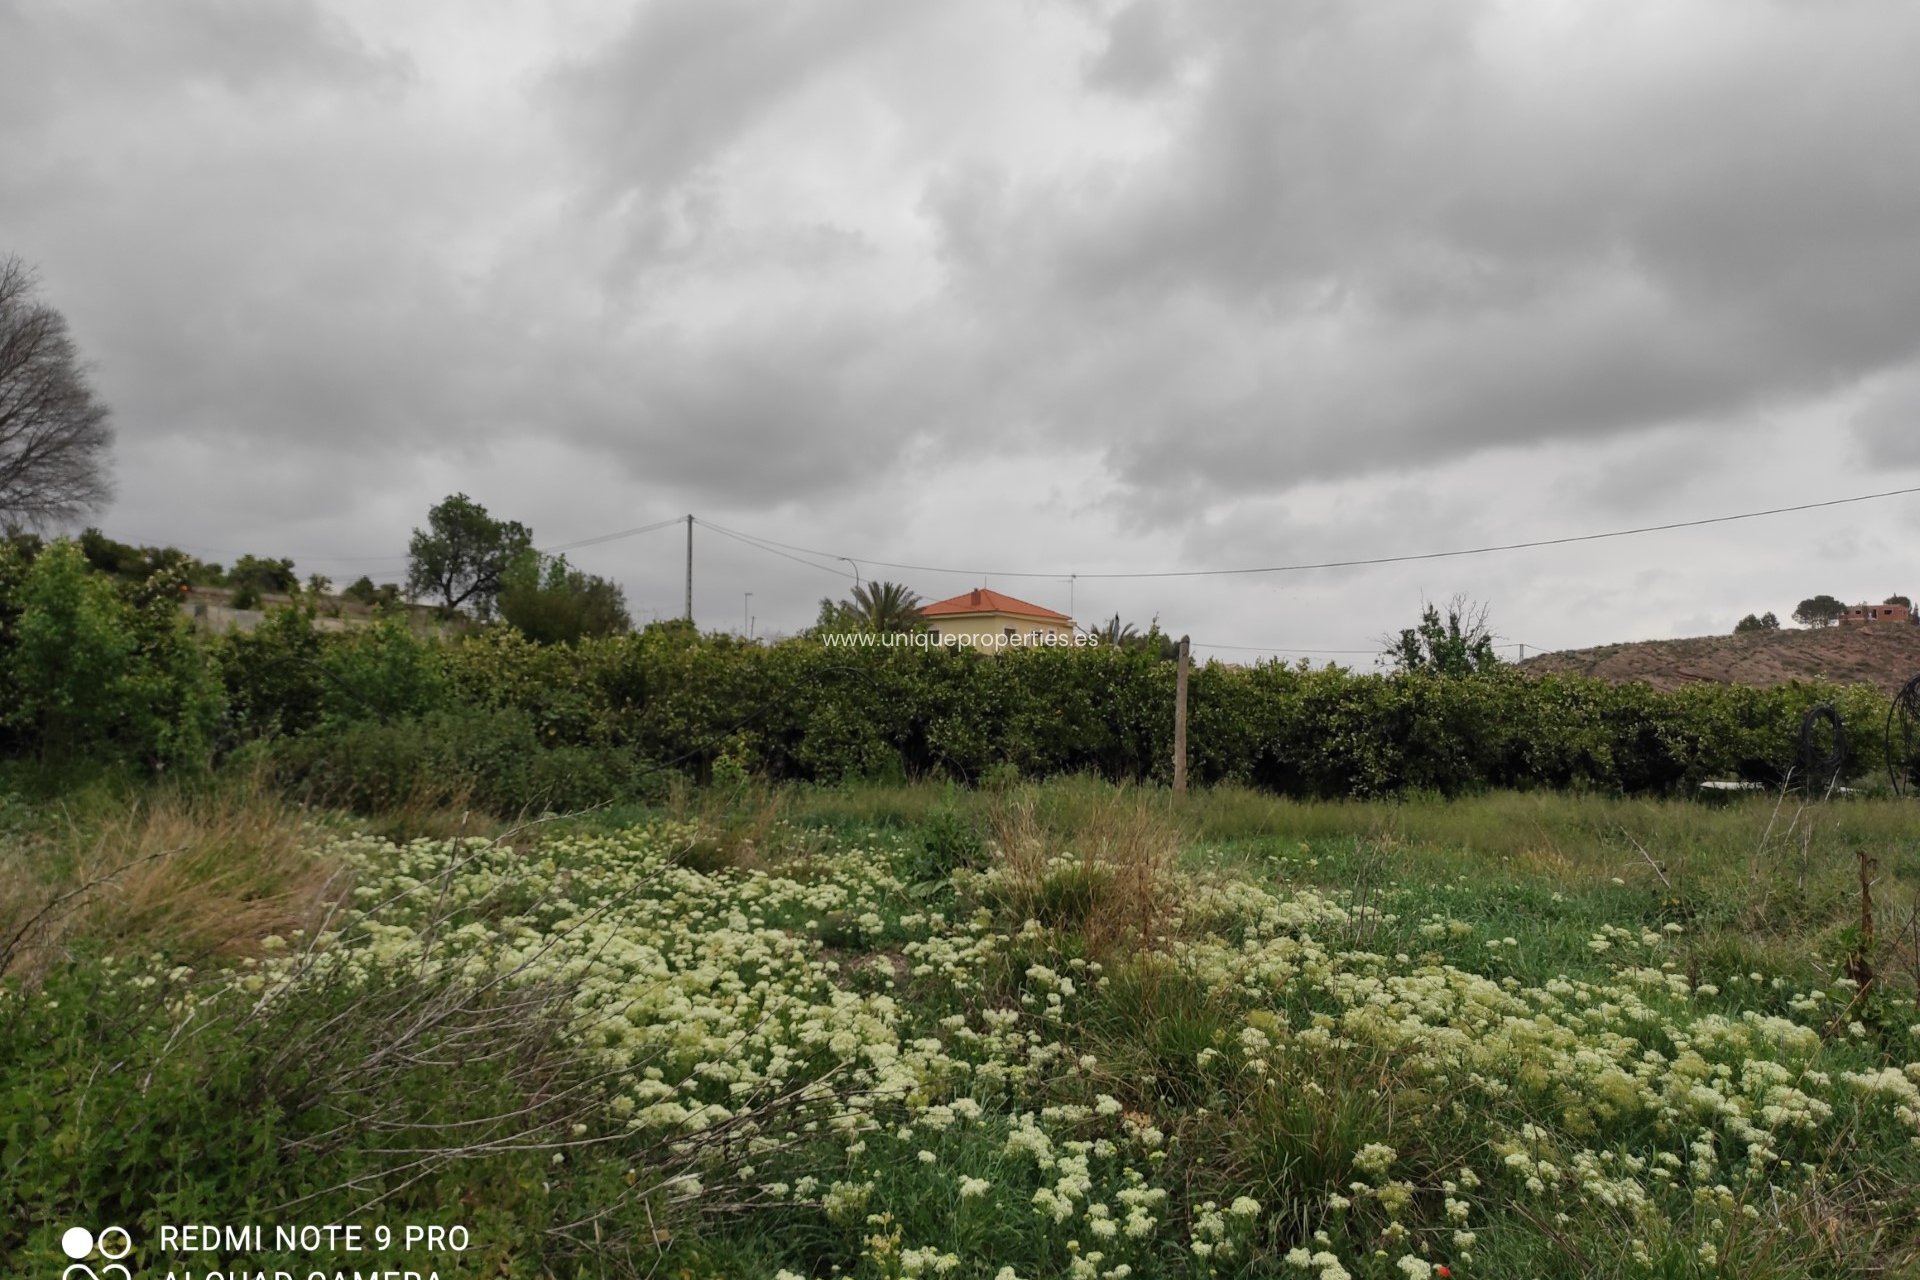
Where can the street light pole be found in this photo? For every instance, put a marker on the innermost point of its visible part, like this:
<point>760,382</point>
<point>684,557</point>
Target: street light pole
<point>746,619</point>
<point>856,568</point>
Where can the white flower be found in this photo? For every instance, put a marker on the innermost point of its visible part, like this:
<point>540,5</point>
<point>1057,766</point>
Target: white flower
<point>1375,1158</point>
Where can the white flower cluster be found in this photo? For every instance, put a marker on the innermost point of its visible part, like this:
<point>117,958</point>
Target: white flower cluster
<point>819,1005</point>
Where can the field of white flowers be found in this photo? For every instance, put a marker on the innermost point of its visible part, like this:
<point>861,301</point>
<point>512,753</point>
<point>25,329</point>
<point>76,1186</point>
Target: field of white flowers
<point>1073,1062</point>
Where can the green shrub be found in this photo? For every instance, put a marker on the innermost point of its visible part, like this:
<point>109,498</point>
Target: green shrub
<point>491,759</point>
<point>948,843</point>
<point>384,671</point>
<point>94,673</point>
<point>275,681</point>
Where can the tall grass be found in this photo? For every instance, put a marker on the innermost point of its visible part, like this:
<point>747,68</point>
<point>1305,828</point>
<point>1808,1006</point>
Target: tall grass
<point>1107,874</point>
<point>197,872</point>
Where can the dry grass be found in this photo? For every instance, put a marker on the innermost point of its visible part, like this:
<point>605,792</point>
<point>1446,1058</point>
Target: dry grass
<point>1108,874</point>
<point>738,824</point>
<point>197,874</point>
<point>432,811</point>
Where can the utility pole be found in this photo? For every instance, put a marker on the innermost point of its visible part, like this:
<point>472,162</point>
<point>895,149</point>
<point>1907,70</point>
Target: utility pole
<point>1180,724</point>
<point>746,619</point>
<point>689,566</point>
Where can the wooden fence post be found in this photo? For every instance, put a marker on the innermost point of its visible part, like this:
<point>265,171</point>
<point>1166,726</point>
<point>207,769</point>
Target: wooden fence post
<point>1180,725</point>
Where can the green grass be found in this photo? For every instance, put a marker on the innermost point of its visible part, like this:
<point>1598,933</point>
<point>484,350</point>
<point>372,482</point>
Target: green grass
<point>1752,905</point>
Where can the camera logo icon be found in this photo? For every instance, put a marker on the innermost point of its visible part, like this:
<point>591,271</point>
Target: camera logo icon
<point>80,1244</point>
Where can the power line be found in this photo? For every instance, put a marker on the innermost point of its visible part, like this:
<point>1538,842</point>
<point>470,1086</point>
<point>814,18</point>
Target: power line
<point>775,546</point>
<point>308,557</point>
<point>772,548</point>
<point>760,545</point>
<point>770,543</point>
<point>609,537</point>
<point>1276,648</point>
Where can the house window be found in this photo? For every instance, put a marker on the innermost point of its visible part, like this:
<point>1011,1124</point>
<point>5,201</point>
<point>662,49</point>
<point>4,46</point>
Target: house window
<point>1008,633</point>
<point>933,633</point>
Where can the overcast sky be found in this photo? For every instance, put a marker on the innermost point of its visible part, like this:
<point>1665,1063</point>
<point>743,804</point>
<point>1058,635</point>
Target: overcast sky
<point>1048,286</point>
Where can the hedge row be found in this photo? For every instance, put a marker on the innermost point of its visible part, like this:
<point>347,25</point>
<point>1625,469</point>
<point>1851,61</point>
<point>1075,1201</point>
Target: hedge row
<point>370,716</point>
<point>802,710</point>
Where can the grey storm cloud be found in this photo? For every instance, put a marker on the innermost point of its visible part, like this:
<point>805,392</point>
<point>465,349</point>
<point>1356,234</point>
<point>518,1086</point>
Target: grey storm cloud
<point>1309,240</point>
<point>1889,422</point>
<point>686,79</point>
<point>1376,239</point>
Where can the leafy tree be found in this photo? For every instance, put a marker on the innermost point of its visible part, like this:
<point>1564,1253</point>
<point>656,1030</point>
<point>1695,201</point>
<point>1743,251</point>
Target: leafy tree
<point>873,606</point>
<point>54,435</point>
<point>109,556</point>
<point>275,576</point>
<point>137,564</point>
<point>275,680</point>
<point>462,555</point>
<point>363,591</point>
<point>1459,645</point>
<point>550,601</point>
<point>383,671</point>
<point>254,577</point>
<point>1115,634</point>
<point>68,655</point>
<point>97,672</point>
<point>1902,601</point>
<point>1818,611</point>
<point>1764,622</point>
<point>836,615</point>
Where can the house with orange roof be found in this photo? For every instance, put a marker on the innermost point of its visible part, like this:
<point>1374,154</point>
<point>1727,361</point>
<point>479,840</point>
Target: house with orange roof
<point>991,620</point>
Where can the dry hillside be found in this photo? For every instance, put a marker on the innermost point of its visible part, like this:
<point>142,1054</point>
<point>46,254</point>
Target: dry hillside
<point>1883,656</point>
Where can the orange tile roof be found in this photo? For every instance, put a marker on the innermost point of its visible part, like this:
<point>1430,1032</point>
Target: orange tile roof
<point>986,600</point>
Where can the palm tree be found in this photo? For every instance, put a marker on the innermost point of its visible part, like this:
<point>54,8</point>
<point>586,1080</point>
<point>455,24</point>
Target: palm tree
<point>884,606</point>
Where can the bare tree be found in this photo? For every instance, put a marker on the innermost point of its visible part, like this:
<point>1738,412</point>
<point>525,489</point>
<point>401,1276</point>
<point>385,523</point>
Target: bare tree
<point>54,434</point>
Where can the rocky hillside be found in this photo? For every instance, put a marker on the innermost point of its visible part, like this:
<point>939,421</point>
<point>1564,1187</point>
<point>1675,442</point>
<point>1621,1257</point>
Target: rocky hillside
<point>1884,656</point>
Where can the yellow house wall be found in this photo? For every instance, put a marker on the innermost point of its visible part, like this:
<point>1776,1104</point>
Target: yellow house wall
<point>988,630</point>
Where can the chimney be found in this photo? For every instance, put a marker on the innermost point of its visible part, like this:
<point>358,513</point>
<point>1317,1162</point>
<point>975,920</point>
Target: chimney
<point>976,596</point>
